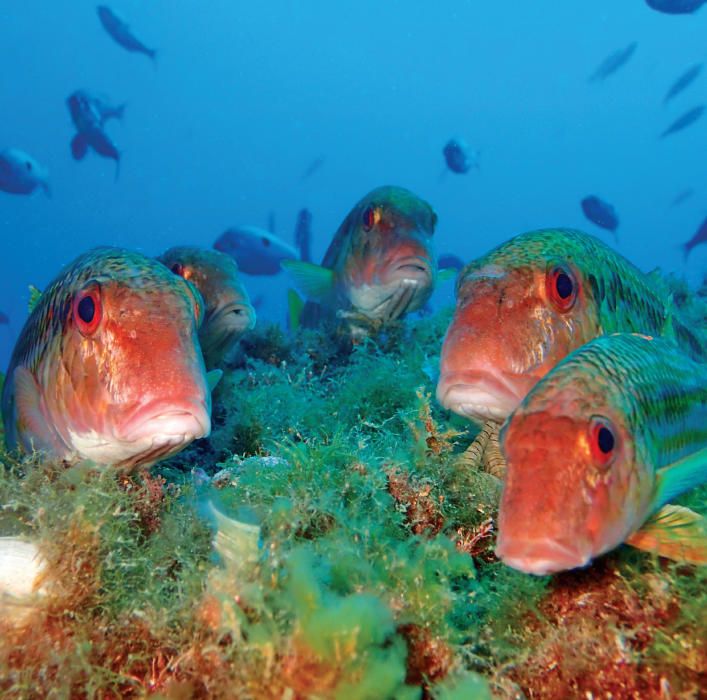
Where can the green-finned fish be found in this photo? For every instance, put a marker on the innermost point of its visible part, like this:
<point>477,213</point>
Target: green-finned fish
<point>597,449</point>
<point>228,313</point>
<point>530,302</point>
<point>108,365</point>
<point>380,264</point>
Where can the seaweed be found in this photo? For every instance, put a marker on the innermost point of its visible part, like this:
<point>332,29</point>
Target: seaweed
<point>366,566</point>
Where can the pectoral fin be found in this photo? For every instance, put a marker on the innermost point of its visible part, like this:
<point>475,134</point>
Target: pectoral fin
<point>680,476</point>
<point>314,281</point>
<point>295,305</point>
<point>213,378</point>
<point>33,430</point>
<point>674,532</point>
<point>448,273</point>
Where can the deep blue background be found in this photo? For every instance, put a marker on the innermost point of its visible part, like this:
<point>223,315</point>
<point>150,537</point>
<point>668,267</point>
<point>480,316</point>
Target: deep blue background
<point>245,95</point>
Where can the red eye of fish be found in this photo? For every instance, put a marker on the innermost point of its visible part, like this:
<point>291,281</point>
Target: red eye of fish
<point>369,218</point>
<point>561,287</point>
<point>602,441</point>
<point>178,269</point>
<point>266,242</point>
<point>87,309</point>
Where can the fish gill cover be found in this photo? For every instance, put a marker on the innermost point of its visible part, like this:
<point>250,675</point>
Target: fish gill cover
<point>335,534</point>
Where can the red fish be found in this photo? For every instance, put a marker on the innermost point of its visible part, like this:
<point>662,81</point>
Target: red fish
<point>380,264</point>
<point>530,302</point>
<point>228,313</point>
<point>108,365</point>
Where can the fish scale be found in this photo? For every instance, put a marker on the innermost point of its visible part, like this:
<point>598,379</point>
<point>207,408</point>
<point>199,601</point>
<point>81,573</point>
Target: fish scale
<point>626,298</point>
<point>663,392</point>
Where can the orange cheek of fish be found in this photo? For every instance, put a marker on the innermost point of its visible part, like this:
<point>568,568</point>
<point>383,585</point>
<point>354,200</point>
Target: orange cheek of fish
<point>542,497</point>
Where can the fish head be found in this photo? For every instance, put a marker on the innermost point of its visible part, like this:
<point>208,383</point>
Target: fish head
<point>22,174</point>
<point>577,483</point>
<point>228,311</point>
<point>83,110</point>
<point>256,251</point>
<point>124,382</point>
<point>389,252</point>
<point>520,310</point>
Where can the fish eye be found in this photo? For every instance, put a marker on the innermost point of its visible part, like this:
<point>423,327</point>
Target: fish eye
<point>561,287</point>
<point>87,309</point>
<point>266,241</point>
<point>28,165</point>
<point>178,269</point>
<point>602,441</point>
<point>371,216</point>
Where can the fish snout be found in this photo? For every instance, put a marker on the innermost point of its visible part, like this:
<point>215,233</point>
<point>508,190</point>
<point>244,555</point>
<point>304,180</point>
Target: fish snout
<point>177,421</point>
<point>540,556</point>
<point>417,268</point>
<point>238,317</point>
<point>478,394</point>
<point>473,380</point>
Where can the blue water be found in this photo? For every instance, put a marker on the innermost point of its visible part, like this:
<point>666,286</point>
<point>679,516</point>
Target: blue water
<point>245,96</point>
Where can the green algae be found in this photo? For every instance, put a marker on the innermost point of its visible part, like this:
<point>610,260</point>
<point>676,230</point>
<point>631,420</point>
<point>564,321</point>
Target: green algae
<point>374,576</point>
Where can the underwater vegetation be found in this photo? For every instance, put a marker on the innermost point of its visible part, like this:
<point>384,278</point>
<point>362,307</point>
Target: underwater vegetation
<point>325,542</point>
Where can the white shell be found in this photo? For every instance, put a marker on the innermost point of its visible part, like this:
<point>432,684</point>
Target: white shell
<point>20,566</point>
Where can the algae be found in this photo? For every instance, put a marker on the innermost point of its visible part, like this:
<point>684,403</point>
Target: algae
<point>372,574</point>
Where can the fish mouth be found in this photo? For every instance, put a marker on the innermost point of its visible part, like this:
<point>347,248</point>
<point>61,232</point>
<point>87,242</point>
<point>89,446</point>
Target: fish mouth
<point>540,556</point>
<point>239,317</point>
<point>169,425</point>
<point>413,267</point>
<point>478,395</point>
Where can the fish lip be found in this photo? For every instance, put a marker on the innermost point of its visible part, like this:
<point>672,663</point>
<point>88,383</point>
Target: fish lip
<point>479,395</point>
<point>162,420</point>
<point>238,316</point>
<point>414,267</point>
<point>541,556</point>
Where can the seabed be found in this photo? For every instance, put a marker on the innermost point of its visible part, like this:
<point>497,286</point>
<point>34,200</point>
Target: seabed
<point>325,542</point>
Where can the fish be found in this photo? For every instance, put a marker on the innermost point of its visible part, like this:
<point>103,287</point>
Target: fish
<point>121,33</point>
<point>228,313</point>
<point>22,174</point>
<point>312,168</point>
<point>257,251</point>
<point>380,264</point>
<point>450,261</point>
<point>676,7</point>
<point>105,109</point>
<point>108,367</point>
<point>303,234</point>
<point>459,157</point>
<point>682,196</point>
<point>597,450</point>
<point>613,62</point>
<point>529,302</point>
<point>682,82</point>
<point>683,121</point>
<point>699,238</point>
<point>600,212</point>
<point>89,117</point>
